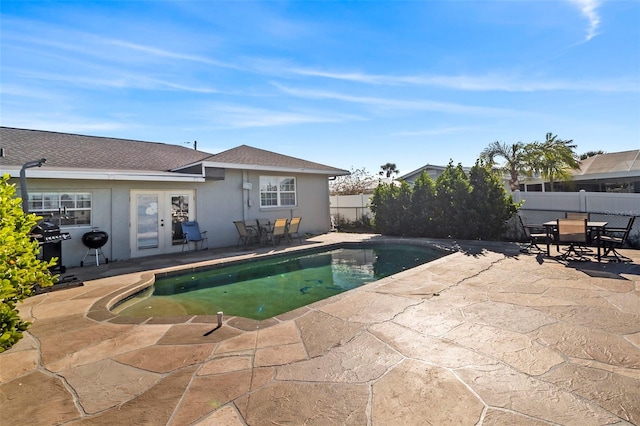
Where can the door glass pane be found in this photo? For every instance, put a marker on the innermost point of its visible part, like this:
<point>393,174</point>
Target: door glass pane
<point>179,214</point>
<point>147,232</point>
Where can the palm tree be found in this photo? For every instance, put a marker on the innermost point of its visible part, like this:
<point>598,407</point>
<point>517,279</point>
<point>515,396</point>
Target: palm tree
<point>388,170</point>
<point>590,154</point>
<point>515,160</point>
<point>553,159</point>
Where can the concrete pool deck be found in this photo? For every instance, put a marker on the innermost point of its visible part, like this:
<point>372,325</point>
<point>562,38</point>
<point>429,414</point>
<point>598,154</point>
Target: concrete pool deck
<point>484,336</point>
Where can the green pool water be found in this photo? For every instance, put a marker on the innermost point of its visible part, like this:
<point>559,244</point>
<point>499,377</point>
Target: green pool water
<point>261,289</point>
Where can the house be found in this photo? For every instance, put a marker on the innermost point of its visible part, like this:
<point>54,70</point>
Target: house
<point>612,172</point>
<point>433,172</point>
<point>140,192</point>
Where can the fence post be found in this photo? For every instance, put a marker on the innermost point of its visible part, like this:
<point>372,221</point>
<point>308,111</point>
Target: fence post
<point>517,196</point>
<point>583,200</point>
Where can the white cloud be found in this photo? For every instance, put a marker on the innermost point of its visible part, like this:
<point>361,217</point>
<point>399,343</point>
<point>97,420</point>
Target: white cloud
<point>244,117</point>
<point>477,83</point>
<point>589,10</point>
<point>387,103</point>
<point>440,131</point>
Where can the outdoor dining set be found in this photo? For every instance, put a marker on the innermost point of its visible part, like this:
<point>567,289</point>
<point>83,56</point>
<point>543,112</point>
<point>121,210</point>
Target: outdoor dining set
<point>580,237</point>
<point>263,231</point>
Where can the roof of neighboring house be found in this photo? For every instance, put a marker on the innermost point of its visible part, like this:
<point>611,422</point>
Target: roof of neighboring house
<point>437,170</point>
<point>625,162</point>
<point>71,151</point>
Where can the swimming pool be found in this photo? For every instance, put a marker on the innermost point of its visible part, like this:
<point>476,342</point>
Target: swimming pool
<point>270,286</point>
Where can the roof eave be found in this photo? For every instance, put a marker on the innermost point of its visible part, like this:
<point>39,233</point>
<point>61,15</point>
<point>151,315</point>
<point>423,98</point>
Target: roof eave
<point>113,175</point>
<point>280,169</point>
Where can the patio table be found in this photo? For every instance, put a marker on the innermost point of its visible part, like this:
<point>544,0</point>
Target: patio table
<point>596,227</point>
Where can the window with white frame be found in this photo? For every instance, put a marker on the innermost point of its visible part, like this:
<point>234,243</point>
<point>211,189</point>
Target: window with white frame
<point>277,191</point>
<point>62,208</point>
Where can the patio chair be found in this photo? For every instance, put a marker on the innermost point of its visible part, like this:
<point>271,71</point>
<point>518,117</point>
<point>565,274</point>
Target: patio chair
<point>581,216</point>
<point>264,225</point>
<point>293,228</point>
<point>613,238</point>
<point>574,233</point>
<point>246,234</point>
<point>191,234</point>
<point>576,215</point>
<point>278,232</point>
<point>534,235</point>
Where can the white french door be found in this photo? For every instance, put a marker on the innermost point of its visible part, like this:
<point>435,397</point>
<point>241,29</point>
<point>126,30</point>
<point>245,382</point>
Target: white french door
<point>156,218</point>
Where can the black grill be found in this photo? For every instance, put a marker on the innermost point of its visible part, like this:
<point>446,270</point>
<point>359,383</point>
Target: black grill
<point>50,239</point>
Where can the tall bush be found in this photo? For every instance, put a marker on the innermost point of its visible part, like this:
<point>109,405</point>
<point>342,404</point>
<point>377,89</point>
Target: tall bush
<point>391,205</point>
<point>20,269</point>
<point>452,202</point>
<point>422,210</point>
<point>456,205</point>
<point>489,205</point>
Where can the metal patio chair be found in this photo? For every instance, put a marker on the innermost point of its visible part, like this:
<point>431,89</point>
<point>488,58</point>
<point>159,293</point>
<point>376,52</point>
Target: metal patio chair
<point>293,229</point>
<point>534,234</point>
<point>613,238</point>
<point>246,235</point>
<point>278,232</point>
<point>574,233</point>
<point>192,234</point>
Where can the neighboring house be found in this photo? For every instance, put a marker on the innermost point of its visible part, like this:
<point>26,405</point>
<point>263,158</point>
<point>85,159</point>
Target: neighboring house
<point>139,192</point>
<point>612,172</point>
<point>432,171</point>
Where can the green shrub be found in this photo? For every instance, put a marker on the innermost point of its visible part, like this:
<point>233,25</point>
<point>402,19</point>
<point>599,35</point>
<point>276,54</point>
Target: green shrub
<point>20,269</point>
<point>454,206</point>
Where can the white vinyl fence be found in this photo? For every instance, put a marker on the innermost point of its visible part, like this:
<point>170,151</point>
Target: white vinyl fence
<point>350,208</point>
<point>537,207</point>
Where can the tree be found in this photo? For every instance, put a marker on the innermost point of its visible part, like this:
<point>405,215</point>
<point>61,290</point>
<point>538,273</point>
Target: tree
<point>489,205</point>
<point>423,205</point>
<point>451,202</point>
<point>515,160</point>
<point>359,181</point>
<point>388,169</point>
<point>390,204</point>
<point>590,154</point>
<point>455,206</point>
<point>20,269</point>
<point>553,159</point>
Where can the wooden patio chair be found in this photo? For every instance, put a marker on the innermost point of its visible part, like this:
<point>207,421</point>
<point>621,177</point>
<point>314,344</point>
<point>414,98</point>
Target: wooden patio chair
<point>191,234</point>
<point>574,233</point>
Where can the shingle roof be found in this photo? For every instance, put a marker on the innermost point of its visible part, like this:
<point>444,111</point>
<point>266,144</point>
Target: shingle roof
<point>247,155</point>
<point>81,152</point>
<point>91,152</point>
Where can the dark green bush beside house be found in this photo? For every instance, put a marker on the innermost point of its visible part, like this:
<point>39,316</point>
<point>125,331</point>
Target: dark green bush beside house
<point>456,205</point>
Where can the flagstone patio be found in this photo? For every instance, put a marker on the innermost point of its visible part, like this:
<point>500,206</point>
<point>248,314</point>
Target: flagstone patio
<point>484,336</point>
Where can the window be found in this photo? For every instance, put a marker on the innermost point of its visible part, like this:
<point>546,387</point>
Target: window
<point>277,191</point>
<point>62,208</point>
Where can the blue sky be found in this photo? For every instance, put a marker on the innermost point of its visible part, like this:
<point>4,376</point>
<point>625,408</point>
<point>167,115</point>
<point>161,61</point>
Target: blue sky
<point>348,84</point>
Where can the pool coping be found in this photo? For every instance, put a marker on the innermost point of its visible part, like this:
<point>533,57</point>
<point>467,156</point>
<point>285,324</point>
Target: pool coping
<point>100,310</point>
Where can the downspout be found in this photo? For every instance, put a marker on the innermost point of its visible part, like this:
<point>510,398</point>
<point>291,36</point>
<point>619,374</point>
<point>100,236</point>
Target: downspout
<point>23,182</point>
